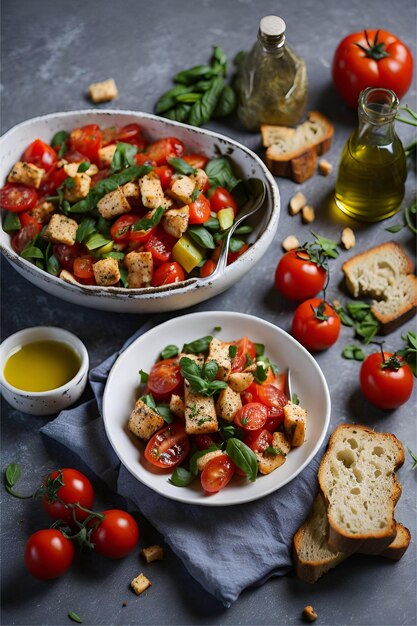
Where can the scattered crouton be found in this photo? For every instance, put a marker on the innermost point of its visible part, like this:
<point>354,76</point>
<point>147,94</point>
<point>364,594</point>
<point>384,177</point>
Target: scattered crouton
<point>200,413</point>
<point>219,352</point>
<point>290,243</point>
<point>151,191</point>
<point>26,174</point>
<point>78,189</point>
<point>140,584</point>
<point>152,553</point>
<point>144,421</point>
<point>106,272</point>
<point>268,461</point>
<point>68,277</point>
<point>325,168</point>
<point>307,214</point>
<point>309,614</point>
<point>113,204</point>
<point>139,269</point>
<point>182,189</point>
<point>200,179</point>
<point>61,229</point>
<point>177,406</point>
<point>239,381</point>
<point>297,202</point>
<point>347,238</point>
<point>105,155</point>
<point>42,212</point>
<point>175,221</point>
<point>228,404</point>
<point>295,421</point>
<point>71,169</point>
<point>103,92</point>
<point>131,190</point>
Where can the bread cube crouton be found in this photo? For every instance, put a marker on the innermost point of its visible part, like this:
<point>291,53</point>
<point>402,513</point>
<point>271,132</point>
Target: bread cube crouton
<point>175,221</point>
<point>68,277</point>
<point>71,169</point>
<point>106,272</point>
<point>61,229</point>
<point>177,406</point>
<point>42,212</point>
<point>295,422</point>
<point>239,381</point>
<point>203,460</point>
<point>269,461</point>
<point>113,204</point>
<point>219,352</point>
<point>297,202</point>
<point>131,190</point>
<point>103,92</point>
<point>200,179</point>
<point>182,189</point>
<point>79,188</point>
<point>140,584</point>
<point>139,269</point>
<point>144,421</point>
<point>152,553</point>
<point>228,404</point>
<point>308,214</point>
<point>290,243</point>
<point>325,168</point>
<point>309,614</point>
<point>197,358</point>
<point>347,238</point>
<point>105,155</point>
<point>151,191</point>
<point>26,174</point>
<point>200,413</point>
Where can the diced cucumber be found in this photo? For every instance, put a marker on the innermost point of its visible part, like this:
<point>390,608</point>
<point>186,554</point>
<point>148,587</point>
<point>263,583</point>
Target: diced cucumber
<point>226,218</point>
<point>187,253</point>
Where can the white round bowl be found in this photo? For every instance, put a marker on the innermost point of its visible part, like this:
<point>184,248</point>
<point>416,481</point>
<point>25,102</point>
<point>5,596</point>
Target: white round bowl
<point>121,392</point>
<point>44,402</point>
<point>246,165</point>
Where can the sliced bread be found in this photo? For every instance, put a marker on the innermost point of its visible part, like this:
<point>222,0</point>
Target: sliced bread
<point>384,273</point>
<point>292,152</point>
<point>312,555</point>
<point>360,489</point>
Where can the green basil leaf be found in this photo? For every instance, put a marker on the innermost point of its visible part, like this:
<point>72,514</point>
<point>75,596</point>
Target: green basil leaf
<point>235,244</point>
<point>210,370</point>
<point>217,328</point>
<point>148,399</point>
<point>195,195</point>
<point>243,230</point>
<point>215,387</point>
<point>144,377</point>
<point>59,138</point>
<point>103,226</point>
<point>83,166</point>
<point>181,477</point>
<point>395,229</point>
<point>52,265</point>
<point>228,431</point>
<point>260,349</point>
<point>199,345</point>
<point>169,351</point>
<point>11,222</point>
<point>31,252</point>
<point>226,103</point>
<point>12,474</point>
<point>187,77</point>
<point>261,373</point>
<point>87,227</point>
<point>212,224</point>
<point>179,113</point>
<point>189,98</point>
<point>123,157</point>
<point>123,276</point>
<point>74,617</point>
<point>232,351</point>
<point>220,173</point>
<point>272,451</point>
<point>165,412</point>
<point>203,109</point>
<point>181,166</point>
<point>328,246</point>
<point>243,457</point>
<point>201,236</point>
<point>295,399</point>
<point>114,254</point>
<point>168,99</point>
<point>219,59</point>
<point>149,222</point>
<point>96,240</point>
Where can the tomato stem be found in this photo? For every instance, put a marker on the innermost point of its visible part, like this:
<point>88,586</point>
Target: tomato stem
<point>374,50</point>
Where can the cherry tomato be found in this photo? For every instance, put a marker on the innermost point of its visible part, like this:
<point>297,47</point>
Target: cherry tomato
<point>115,536</point>
<point>48,554</point>
<point>67,254</point>
<point>18,198</point>
<point>143,159</point>
<point>121,228</point>
<point>165,378</point>
<point>385,387</point>
<point>232,256</point>
<point>245,348</point>
<point>165,174</point>
<point>258,440</point>
<point>40,154</point>
<point>221,198</point>
<point>131,133</point>
<point>217,473</point>
<point>108,135</point>
<point>74,156</point>
<point>86,140</point>
<point>371,58</point>
<point>75,489</point>
<point>271,396</point>
<point>251,416</point>
<point>24,236</point>
<point>275,419</point>
<point>313,333</point>
<point>83,266</point>
<point>55,179</point>
<point>298,278</point>
<point>160,245</point>
<point>141,237</point>
<point>208,268</point>
<point>168,447</point>
<point>168,273</point>
<point>205,441</point>
<point>26,218</point>
<point>199,161</point>
<point>163,149</point>
<point>199,210</point>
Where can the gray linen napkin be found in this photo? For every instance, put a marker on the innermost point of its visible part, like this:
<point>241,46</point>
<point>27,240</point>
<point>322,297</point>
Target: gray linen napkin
<point>225,548</point>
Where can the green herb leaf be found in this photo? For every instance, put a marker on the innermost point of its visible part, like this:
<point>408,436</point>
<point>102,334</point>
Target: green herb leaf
<point>217,328</point>
<point>261,373</point>
<point>243,230</point>
<point>235,244</point>
<point>181,477</point>
<point>96,240</point>
<point>414,457</point>
<point>210,370</point>
<point>195,195</point>
<point>148,399</point>
<point>11,222</point>
<point>189,98</point>
<point>212,224</point>
<point>12,474</point>
<point>203,109</point>
<point>328,246</point>
<point>165,412</point>
<point>295,399</point>
<point>220,173</point>
<point>201,236</point>
<point>123,276</point>
<point>123,157</point>
<point>226,103</point>
<point>260,349</point>
<point>59,138</point>
<point>31,252</point>
<point>103,226</point>
<point>144,377</point>
<point>83,166</point>
<point>243,457</point>
<point>87,227</point>
<point>74,617</point>
<point>228,431</point>
<point>232,351</point>
<point>395,229</point>
<point>219,59</point>
<point>188,77</point>
<point>114,254</point>
<point>272,451</point>
<point>149,222</point>
<point>52,265</point>
<point>409,353</point>
<point>353,352</point>
<point>169,351</point>
<point>181,166</point>
<point>168,99</point>
<point>195,376</point>
<point>180,113</point>
<point>199,345</point>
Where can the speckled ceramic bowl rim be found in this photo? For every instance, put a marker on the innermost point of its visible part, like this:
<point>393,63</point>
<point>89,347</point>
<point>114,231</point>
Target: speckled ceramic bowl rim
<point>148,292</point>
<point>36,333</point>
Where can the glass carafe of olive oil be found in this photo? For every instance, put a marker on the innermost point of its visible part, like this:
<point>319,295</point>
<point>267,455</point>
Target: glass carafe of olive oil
<point>272,79</point>
<point>372,170</point>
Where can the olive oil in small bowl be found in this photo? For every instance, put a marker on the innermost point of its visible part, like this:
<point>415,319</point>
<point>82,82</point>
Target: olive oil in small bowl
<point>43,369</point>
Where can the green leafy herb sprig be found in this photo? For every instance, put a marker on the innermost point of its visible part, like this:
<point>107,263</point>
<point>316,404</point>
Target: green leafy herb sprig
<point>200,93</point>
<point>409,352</point>
<point>202,379</point>
<point>358,316</point>
<point>414,458</point>
<point>409,219</point>
<point>162,409</point>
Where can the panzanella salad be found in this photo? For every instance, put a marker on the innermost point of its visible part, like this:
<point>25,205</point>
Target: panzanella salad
<point>214,409</point>
<point>106,207</point>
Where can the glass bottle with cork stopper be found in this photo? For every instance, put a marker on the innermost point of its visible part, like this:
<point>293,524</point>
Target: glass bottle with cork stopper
<point>372,169</point>
<point>272,79</point>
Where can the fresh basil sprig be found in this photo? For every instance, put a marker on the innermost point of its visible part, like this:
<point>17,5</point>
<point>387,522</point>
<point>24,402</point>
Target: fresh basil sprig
<point>201,236</point>
<point>11,222</point>
<point>181,166</point>
<point>198,345</point>
<point>162,409</point>
<point>353,352</point>
<point>86,228</point>
<point>409,353</point>
<point>220,173</point>
<point>123,157</point>
<point>197,377</point>
<point>243,457</point>
<point>169,351</point>
<point>12,476</point>
<point>358,315</point>
<point>149,222</point>
<point>181,477</point>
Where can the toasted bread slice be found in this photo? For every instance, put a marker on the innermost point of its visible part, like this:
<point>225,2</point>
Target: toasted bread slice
<point>358,483</point>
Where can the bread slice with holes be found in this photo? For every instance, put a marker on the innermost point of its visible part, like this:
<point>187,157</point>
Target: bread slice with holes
<point>384,273</point>
<point>312,555</point>
<point>293,152</point>
<point>360,489</point>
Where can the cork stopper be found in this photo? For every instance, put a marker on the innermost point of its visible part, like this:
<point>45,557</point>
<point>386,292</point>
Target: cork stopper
<point>272,31</point>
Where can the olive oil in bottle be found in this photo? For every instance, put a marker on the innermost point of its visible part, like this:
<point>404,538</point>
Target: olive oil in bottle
<point>372,167</point>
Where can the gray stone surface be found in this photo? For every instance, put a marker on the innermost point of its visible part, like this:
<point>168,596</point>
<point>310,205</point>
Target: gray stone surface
<point>51,52</point>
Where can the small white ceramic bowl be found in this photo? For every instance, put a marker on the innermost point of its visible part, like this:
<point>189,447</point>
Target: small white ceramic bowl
<point>246,165</point>
<point>44,402</point>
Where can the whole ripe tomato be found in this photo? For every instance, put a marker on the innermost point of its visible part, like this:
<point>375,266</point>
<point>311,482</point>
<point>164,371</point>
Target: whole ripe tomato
<point>65,487</point>
<point>315,324</point>
<point>386,381</point>
<point>116,535</point>
<point>371,58</point>
<point>48,554</point>
<point>168,447</point>
<point>217,473</point>
<point>298,278</point>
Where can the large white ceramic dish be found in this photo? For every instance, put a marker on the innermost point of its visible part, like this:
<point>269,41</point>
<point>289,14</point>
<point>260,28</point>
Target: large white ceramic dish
<point>122,388</point>
<point>169,298</point>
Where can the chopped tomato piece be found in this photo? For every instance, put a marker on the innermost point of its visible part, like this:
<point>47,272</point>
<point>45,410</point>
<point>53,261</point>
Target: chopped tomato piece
<point>163,149</point>
<point>258,440</point>
<point>208,268</point>
<point>132,133</point>
<point>121,228</point>
<point>168,273</point>
<point>221,198</point>
<point>24,236</point>
<point>205,441</point>
<point>40,154</point>
<point>245,348</point>
<point>165,379</point>
<point>86,140</point>
<point>18,198</point>
<point>26,218</point>
<point>168,447</point>
<point>232,256</point>
<point>199,161</point>
<point>217,473</point>
<point>199,210</point>
<point>160,245</point>
<point>165,174</point>
<point>83,266</point>
<point>67,254</point>
<point>251,416</point>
